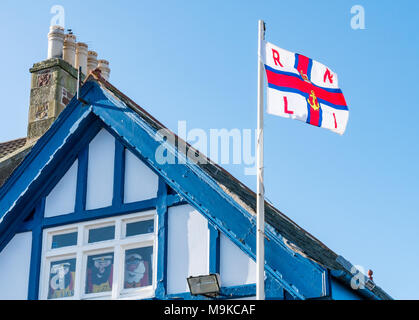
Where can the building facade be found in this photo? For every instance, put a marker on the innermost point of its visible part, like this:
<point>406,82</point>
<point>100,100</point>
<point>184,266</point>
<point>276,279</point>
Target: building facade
<point>87,211</point>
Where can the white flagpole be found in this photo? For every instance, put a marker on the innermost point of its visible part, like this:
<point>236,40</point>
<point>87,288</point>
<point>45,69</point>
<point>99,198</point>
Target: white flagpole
<point>260,200</point>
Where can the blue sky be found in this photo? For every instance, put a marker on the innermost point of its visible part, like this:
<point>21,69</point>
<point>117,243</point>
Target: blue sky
<point>196,61</point>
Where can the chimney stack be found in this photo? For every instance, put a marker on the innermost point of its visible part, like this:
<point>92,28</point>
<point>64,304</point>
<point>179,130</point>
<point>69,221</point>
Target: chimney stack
<point>69,49</point>
<point>103,66</point>
<point>91,61</point>
<point>55,42</point>
<point>54,81</point>
<point>81,57</point>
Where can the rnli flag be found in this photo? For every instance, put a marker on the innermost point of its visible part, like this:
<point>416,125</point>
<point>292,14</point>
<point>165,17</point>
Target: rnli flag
<point>303,89</point>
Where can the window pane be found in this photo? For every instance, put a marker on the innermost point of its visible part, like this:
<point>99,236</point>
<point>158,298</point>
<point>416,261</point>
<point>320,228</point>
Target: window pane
<point>101,234</point>
<point>138,267</point>
<point>140,227</point>
<point>64,240</point>
<point>99,273</point>
<point>61,279</point>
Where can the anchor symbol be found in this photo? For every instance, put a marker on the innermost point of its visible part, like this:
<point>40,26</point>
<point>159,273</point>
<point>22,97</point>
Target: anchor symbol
<point>315,104</point>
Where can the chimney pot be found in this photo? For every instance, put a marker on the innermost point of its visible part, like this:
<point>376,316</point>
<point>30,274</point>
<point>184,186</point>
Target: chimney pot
<point>55,42</point>
<point>103,66</point>
<point>69,49</point>
<point>81,56</point>
<point>91,61</point>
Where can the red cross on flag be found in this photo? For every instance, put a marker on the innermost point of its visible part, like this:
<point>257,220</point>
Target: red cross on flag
<point>303,89</point>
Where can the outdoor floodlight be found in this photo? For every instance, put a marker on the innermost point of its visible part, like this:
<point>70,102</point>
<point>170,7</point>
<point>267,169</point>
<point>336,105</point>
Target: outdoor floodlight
<point>208,285</point>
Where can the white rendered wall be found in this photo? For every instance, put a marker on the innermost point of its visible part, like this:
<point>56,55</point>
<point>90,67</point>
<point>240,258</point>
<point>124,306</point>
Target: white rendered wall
<point>62,198</point>
<point>188,247</point>
<point>236,268</point>
<point>141,183</point>
<point>100,171</point>
<point>15,261</point>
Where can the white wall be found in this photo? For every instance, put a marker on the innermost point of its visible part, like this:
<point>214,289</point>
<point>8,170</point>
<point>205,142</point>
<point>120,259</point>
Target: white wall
<point>236,268</point>
<point>62,198</point>
<point>188,247</point>
<point>14,267</point>
<point>141,183</point>
<point>100,171</point>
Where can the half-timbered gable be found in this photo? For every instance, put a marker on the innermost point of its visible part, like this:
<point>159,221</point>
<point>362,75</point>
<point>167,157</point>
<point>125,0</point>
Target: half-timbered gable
<point>90,213</point>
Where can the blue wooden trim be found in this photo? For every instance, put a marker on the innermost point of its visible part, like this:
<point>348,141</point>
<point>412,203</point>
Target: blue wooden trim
<point>119,174</point>
<point>327,284</point>
<point>214,250</point>
<point>108,212</point>
<point>162,234</point>
<point>36,252</point>
<point>100,213</point>
<point>79,150</point>
<point>341,292</point>
<point>81,190</point>
<point>234,292</point>
<point>175,200</point>
<point>25,227</point>
<point>274,291</point>
<point>247,290</point>
<point>300,276</point>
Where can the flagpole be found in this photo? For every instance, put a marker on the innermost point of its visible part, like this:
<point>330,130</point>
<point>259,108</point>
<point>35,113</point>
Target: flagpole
<point>260,200</point>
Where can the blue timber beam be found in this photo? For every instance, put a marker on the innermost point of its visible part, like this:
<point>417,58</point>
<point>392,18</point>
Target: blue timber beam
<point>299,275</point>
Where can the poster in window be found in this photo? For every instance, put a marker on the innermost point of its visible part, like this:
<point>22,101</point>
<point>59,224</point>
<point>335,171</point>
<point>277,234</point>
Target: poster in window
<point>99,273</point>
<point>138,267</point>
<point>61,279</point>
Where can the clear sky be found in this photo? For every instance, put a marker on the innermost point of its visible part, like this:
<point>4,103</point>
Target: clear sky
<point>197,61</point>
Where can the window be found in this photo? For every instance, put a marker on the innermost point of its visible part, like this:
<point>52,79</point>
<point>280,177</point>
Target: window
<point>111,258</point>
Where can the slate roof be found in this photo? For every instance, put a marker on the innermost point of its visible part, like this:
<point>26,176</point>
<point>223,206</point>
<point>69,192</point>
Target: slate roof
<point>11,146</point>
<point>12,154</point>
<point>296,237</point>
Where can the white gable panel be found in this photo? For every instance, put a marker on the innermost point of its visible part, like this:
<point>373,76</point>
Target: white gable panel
<point>236,268</point>
<point>141,183</point>
<point>15,261</point>
<point>188,247</point>
<point>100,171</point>
<point>62,198</point>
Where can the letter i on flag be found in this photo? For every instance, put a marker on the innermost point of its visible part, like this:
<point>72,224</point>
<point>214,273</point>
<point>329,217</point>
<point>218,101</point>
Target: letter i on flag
<point>303,89</point>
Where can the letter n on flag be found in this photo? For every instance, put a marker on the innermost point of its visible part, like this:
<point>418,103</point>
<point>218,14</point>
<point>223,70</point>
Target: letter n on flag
<point>303,89</point>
